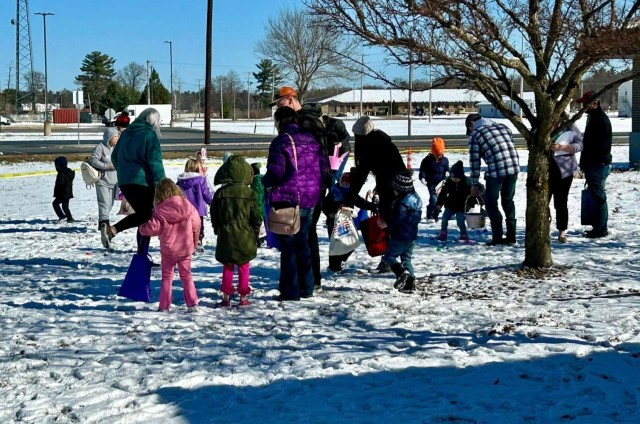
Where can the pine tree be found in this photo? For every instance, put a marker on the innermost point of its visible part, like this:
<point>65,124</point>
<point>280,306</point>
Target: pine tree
<point>159,94</point>
<point>118,96</point>
<point>268,77</point>
<point>97,73</point>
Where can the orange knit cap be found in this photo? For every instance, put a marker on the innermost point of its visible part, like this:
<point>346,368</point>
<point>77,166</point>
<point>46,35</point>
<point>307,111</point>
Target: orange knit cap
<point>437,146</point>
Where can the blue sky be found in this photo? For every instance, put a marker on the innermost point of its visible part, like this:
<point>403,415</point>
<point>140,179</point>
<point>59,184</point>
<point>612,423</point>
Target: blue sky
<point>135,30</point>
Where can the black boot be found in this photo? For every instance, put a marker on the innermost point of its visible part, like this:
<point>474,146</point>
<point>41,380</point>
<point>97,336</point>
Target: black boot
<point>401,281</point>
<point>409,285</point>
<point>397,269</point>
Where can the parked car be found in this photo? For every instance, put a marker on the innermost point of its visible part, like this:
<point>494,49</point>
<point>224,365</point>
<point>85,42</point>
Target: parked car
<point>4,121</point>
<point>439,111</point>
<point>341,115</point>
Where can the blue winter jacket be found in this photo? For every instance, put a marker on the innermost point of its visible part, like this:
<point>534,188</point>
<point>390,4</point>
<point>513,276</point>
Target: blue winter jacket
<point>283,184</point>
<point>405,216</point>
<point>432,170</point>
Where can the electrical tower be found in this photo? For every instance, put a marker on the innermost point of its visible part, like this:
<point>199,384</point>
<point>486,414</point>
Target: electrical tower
<point>24,56</point>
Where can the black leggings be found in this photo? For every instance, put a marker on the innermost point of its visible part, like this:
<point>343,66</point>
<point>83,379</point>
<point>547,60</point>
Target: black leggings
<point>141,200</point>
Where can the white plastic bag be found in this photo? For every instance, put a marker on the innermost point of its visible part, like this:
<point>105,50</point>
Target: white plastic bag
<point>345,237</point>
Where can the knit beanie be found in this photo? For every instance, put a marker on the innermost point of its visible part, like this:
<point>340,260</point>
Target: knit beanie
<point>437,146</point>
<point>108,134</point>
<point>457,170</point>
<point>403,182</point>
<point>362,126</point>
<point>123,120</point>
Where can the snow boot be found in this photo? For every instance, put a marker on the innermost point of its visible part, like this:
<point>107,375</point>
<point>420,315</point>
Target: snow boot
<point>401,281</point>
<point>409,285</point>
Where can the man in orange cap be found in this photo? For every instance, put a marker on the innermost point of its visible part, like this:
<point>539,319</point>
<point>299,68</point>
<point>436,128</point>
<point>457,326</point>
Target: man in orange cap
<point>595,160</point>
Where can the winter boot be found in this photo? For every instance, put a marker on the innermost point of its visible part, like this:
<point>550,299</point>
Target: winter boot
<point>409,285</point>
<point>401,281</point>
<point>442,236</point>
<point>383,267</point>
<point>244,301</point>
<point>397,269</point>
<point>106,234</point>
<point>226,302</point>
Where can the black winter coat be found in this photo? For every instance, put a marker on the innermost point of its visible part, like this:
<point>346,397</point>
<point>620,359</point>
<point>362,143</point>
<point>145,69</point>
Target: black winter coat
<point>64,183</point>
<point>454,195</point>
<point>597,140</point>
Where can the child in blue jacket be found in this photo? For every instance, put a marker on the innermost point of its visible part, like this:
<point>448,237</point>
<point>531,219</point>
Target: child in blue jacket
<point>402,228</point>
<point>433,169</point>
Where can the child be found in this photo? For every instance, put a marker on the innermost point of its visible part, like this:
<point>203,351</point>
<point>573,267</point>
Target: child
<point>402,228</point>
<point>63,190</point>
<point>331,205</point>
<point>453,196</point>
<point>433,169</point>
<point>176,222</point>
<point>257,187</point>
<point>236,220</point>
<point>201,157</point>
<point>195,188</point>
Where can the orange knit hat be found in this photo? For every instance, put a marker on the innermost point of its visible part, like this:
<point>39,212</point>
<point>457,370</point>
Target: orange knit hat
<point>437,146</point>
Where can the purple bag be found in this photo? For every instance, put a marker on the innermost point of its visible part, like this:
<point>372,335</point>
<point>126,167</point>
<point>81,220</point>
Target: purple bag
<point>138,279</point>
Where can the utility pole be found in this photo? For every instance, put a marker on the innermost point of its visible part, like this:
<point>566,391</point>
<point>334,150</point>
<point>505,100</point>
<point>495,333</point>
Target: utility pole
<point>199,100</point>
<point>171,76</point>
<point>430,89</point>
<point>207,80</point>
<point>248,96</point>
<point>221,101</point>
<point>410,90</point>
<point>47,122</point>
<point>521,79</point>
<point>148,85</point>
<point>361,84</point>
<point>233,90</point>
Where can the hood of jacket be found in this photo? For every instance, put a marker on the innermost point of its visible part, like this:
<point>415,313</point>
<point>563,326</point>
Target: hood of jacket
<point>482,122</point>
<point>173,209</point>
<point>60,163</point>
<point>236,170</point>
<point>189,179</point>
<point>139,125</point>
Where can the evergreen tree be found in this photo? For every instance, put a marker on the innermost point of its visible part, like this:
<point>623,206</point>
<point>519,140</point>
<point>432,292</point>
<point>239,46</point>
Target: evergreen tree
<point>118,96</point>
<point>97,72</point>
<point>159,94</point>
<point>267,78</point>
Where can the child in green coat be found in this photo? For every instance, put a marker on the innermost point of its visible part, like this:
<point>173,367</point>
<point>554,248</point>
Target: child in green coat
<point>236,220</point>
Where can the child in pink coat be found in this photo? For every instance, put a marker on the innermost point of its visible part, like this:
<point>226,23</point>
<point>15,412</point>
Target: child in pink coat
<point>177,223</point>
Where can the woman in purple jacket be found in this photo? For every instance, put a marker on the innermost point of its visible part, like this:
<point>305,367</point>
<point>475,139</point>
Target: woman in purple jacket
<point>195,188</point>
<point>289,182</point>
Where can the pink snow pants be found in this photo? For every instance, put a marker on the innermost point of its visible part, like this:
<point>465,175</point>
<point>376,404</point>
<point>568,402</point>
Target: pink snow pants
<point>169,263</point>
<point>243,279</point>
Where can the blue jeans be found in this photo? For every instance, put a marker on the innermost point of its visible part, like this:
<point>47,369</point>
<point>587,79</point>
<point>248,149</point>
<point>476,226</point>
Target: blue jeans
<point>505,188</point>
<point>446,216</point>
<point>432,208</point>
<point>296,273</point>
<point>596,177</point>
<point>403,249</point>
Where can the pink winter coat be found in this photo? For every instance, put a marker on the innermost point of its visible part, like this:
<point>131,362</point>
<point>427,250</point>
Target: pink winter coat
<point>177,223</point>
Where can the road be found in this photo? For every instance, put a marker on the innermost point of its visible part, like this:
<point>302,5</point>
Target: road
<point>189,140</point>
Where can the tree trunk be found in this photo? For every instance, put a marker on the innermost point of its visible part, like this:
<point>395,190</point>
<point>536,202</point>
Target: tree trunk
<point>537,240</point>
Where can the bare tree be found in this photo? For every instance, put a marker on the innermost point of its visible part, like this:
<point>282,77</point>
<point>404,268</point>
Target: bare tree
<point>296,42</point>
<point>133,75</point>
<point>551,44</point>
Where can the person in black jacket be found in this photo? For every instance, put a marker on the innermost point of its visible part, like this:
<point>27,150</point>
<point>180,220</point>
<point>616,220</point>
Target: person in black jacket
<point>374,152</point>
<point>595,160</point>
<point>63,189</point>
<point>337,134</point>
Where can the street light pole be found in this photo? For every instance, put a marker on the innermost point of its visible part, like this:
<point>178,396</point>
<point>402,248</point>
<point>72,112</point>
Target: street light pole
<point>47,122</point>
<point>171,73</point>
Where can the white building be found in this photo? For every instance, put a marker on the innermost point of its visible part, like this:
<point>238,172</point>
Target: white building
<point>624,99</point>
<point>487,110</point>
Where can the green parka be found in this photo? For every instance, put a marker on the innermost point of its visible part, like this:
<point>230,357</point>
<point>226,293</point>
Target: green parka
<point>235,214</point>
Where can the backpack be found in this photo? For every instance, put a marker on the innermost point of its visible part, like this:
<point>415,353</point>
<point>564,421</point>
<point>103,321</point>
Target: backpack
<point>90,175</point>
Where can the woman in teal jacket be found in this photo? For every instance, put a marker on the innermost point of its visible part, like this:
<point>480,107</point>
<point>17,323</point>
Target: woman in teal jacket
<point>137,159</point>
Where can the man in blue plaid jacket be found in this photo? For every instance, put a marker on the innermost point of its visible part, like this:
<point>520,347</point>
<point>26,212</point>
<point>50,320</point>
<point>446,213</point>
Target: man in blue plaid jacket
<point>493,142</point>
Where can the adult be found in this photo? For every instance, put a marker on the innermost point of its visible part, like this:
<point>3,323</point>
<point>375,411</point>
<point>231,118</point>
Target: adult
<point>337,134</point>
<point>137,159</point>
<point>493,142</point>
<point>106,187</point>
<point>595,160</point>
<point>566,143</point>
<point>374,152</point>
<point>294,177</point>
<point>309,120</point>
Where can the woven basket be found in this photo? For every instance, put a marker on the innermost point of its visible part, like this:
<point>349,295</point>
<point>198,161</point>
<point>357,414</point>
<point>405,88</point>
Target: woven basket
<point>475,220</point>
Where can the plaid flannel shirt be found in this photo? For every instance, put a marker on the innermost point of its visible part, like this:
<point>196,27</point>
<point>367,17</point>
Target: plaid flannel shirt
<point>492,142</point>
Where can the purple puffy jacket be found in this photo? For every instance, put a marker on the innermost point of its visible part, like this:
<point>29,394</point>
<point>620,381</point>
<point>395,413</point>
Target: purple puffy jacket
<point>281,182</point>
<point>195,188</point>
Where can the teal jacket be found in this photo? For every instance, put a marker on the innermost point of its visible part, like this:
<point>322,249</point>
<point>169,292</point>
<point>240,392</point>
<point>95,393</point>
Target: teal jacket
<point>138,157</point>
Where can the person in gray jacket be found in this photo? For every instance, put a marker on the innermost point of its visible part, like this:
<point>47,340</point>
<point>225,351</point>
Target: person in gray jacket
<point>107,185</point>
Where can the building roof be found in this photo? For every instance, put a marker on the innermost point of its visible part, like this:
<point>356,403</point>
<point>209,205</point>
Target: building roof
<point>438,95</point>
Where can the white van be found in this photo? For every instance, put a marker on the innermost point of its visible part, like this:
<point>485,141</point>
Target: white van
<point>4,121</point>
<point>165,112</point>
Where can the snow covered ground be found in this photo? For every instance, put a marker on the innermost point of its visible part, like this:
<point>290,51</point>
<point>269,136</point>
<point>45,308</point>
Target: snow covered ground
<point>479,342</point>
